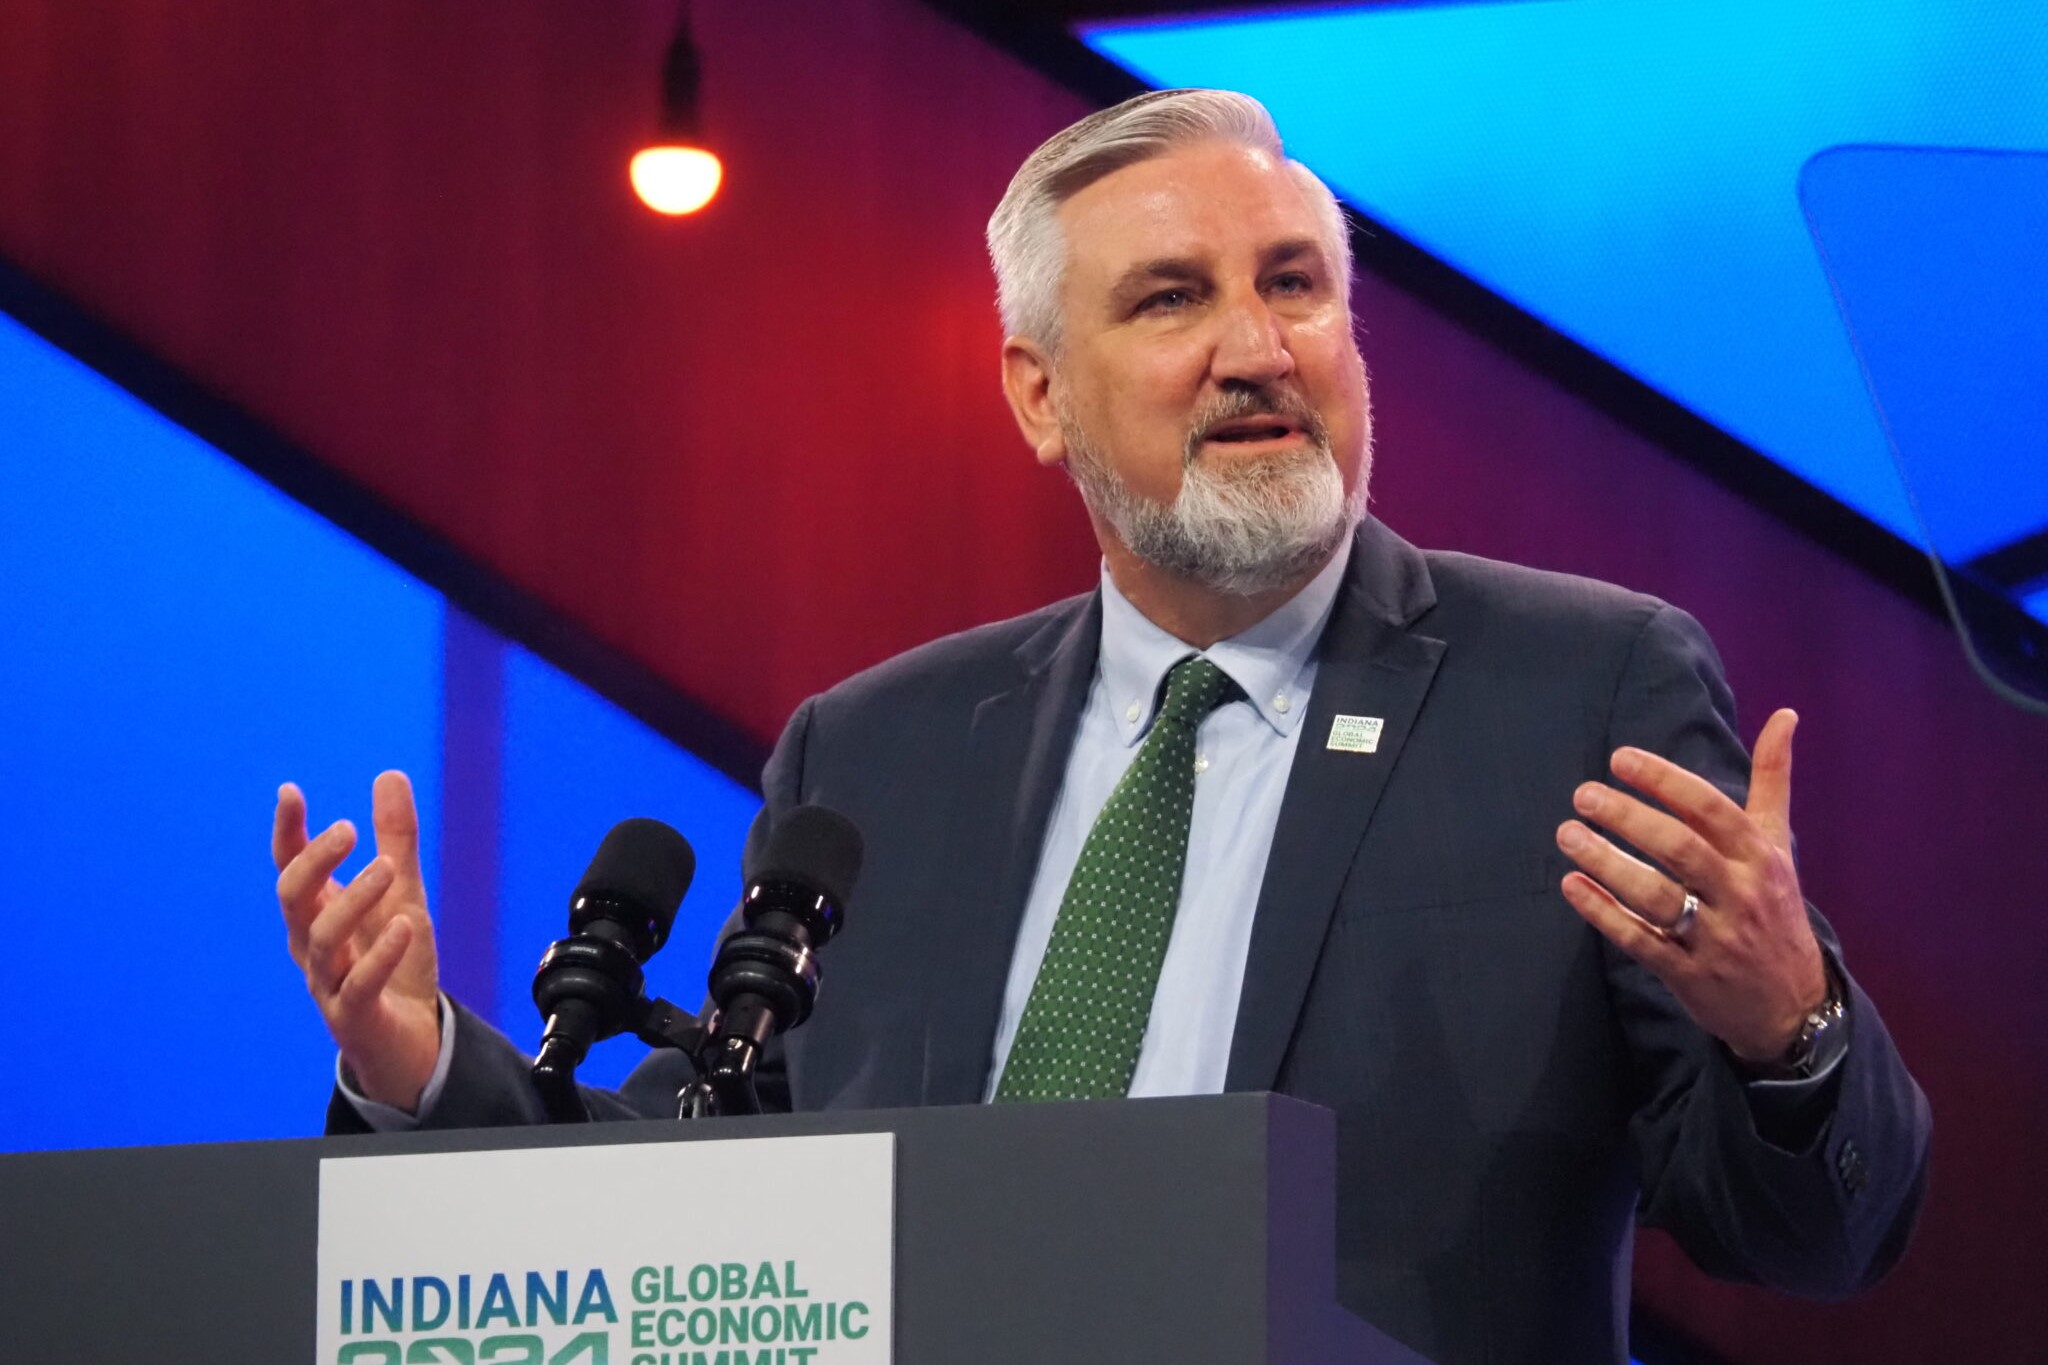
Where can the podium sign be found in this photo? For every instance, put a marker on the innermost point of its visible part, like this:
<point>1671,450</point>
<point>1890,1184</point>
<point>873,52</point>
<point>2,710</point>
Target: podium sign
<point>1198,1231</point>
<point>767,1251</point>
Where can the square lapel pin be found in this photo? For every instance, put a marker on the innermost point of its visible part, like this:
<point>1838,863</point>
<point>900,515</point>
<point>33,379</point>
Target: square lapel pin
<point>1356,734</point>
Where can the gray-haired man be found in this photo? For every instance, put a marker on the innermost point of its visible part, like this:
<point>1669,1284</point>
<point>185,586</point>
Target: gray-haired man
<point>1342,800</point>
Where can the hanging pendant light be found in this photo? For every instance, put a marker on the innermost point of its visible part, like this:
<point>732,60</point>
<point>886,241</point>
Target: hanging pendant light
<point>677,173</point>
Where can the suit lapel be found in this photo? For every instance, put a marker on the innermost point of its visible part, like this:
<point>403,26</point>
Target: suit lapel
<point>1017,749</point>
<point>1371,665</point>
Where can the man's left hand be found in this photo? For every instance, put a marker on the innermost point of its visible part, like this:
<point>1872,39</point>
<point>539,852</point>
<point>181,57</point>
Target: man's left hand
<point>1747,966</point>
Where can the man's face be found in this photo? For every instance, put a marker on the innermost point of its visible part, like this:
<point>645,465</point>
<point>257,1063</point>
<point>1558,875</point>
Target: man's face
<point>1206,339</point>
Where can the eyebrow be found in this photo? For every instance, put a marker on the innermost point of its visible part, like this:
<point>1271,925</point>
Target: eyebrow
<point>1180,269</point>
<point>1282,253</point>
<point>1161,270</point>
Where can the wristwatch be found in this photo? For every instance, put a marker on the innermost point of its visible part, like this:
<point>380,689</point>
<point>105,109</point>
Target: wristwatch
<point>1823,1035</point>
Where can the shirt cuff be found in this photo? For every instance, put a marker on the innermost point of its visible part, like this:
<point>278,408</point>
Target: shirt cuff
<point>389,1118</point>
<point>1824,1067</point>
<point>1791,1113</point>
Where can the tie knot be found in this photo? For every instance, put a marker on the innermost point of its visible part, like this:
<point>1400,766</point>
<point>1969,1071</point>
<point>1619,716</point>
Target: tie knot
<point>1194,688</point>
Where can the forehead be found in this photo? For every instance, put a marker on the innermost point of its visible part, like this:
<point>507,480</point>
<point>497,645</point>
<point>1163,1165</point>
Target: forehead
<point>1207,201</point>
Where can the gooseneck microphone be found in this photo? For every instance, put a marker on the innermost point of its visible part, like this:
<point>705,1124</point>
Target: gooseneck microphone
<point>764,980</point>
<point>590,985</point>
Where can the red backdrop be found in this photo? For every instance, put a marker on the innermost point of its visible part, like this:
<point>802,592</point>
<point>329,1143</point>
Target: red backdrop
<point>764,447</point>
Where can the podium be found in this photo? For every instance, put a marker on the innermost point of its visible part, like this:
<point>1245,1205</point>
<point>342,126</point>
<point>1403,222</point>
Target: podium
<point>1196,1231</point>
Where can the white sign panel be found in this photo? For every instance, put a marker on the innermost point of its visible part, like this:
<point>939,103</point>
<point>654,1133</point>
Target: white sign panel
<point>740,1252</point>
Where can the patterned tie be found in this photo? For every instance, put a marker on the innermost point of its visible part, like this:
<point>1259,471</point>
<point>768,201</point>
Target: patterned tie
<point>1085,1021</point>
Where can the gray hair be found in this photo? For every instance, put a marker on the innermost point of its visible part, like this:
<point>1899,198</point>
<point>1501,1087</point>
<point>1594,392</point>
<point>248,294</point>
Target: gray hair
<point>1024,240</point>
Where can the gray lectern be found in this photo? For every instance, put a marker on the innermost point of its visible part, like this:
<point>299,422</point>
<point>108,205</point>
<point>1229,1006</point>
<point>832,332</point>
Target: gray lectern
<point>1190,1231</point>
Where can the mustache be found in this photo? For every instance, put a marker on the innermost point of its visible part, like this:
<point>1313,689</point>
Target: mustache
<point>1259,402</point>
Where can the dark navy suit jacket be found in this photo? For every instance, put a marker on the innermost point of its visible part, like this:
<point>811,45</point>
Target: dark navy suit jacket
<point>1512,1093</point>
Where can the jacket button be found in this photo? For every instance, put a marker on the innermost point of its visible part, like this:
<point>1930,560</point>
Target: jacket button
<point>1852,1168</point>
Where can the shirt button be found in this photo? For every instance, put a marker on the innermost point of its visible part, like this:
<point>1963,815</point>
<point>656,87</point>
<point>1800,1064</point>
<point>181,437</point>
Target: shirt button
<point>1131,713</point>
<point>1201,763</point>
<point>1280,702</point>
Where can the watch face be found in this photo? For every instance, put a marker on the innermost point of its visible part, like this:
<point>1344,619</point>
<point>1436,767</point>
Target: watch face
<point>1817,1037</point>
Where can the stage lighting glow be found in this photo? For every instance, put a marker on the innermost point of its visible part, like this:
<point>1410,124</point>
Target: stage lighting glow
<point>676,180</point>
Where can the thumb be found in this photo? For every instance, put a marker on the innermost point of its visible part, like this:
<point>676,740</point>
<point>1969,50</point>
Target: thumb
<point>397,822</point>
<point>1770,777</point>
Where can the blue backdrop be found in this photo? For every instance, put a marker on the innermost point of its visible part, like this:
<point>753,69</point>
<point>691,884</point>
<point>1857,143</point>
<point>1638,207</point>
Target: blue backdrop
<point>177,639</point>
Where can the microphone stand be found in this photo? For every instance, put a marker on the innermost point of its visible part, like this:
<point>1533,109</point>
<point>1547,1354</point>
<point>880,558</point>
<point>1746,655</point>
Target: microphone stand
<point>724,1061</point>
<point>723,1055</point>
<point>724,1083</point>
<point>654,1022</point>
<point>725,1068</point>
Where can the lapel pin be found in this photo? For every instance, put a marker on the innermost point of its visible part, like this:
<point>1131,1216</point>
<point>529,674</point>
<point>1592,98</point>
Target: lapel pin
<point>1356,734</point>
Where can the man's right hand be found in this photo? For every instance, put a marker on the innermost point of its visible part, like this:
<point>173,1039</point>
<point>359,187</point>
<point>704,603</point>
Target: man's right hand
<point>367,948</point>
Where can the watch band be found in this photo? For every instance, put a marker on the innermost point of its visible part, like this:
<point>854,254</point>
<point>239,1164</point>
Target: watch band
<point>1822,1035</point>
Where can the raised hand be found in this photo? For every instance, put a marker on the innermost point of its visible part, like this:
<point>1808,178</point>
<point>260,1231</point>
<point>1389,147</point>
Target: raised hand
<point>1745,964</point>
<point>367,948</point>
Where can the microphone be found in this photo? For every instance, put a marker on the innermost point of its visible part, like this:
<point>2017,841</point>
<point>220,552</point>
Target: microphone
<point>589,985</point>
<point>765,978</point>
<point>756,846</point>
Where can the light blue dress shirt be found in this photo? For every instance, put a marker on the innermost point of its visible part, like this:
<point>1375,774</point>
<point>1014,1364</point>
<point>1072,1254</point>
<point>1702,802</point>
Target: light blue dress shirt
<point>1244,751</point>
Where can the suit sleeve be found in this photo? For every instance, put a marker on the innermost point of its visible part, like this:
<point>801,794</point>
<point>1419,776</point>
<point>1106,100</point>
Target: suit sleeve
<point>489,1082</point>
<point>1830,1215</point>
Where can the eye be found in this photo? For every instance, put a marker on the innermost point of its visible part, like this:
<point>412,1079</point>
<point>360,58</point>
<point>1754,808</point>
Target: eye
<point>1166,301</point>
<point>1295,282</point>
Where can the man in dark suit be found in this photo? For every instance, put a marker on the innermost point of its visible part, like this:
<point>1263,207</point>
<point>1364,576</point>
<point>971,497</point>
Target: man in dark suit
<point>1286,804</point>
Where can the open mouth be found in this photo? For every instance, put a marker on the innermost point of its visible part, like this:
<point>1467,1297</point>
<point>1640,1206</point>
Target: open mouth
<point>1252,432</point>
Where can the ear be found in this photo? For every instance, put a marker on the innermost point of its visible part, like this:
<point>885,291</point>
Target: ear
<point>1027,382</point>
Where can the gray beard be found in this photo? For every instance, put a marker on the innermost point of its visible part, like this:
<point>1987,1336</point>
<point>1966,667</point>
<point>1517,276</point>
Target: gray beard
<point>1241,527</point>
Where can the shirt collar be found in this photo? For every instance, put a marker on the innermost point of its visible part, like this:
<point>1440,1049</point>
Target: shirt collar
<point>1273,661</point>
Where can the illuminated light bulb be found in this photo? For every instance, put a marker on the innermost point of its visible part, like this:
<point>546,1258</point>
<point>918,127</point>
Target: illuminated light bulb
<point>675,180</point>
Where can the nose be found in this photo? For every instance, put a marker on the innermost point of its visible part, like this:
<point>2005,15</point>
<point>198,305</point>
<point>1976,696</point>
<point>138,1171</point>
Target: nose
<point>1252,348</point>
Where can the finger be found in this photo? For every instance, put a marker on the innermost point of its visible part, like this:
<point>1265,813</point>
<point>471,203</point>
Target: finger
<point>1629,932</point>
<point>1690,797</point>
<point>303,879</point>
<point>1642,888</point>
<point>397,823</point>
<point>372,971</point>
<point>1682,850</point>
<point>288,826</point>
<point>329,942</point>
<point>1770,777</point>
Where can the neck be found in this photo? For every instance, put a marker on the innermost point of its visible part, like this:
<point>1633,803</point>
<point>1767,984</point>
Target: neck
<point>1194,612</point>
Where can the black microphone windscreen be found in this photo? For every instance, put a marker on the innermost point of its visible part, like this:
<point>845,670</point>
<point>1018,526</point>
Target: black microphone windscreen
<point>816,847</point>
<point>645,864</point>
<point>756,848</point>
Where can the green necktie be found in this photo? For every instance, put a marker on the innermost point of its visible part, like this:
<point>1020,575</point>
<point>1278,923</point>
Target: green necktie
<point>1085,1021</point>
